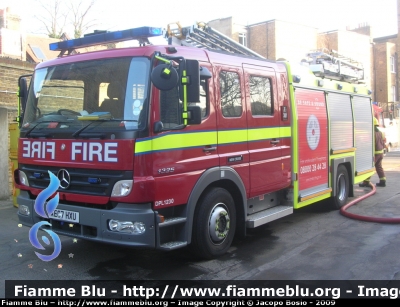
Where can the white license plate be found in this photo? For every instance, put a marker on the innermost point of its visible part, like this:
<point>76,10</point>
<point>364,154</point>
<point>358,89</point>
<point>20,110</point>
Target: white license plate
<point>65,215</point>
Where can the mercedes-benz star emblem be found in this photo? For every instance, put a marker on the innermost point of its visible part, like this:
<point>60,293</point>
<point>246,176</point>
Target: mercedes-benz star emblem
<point>65,178</point>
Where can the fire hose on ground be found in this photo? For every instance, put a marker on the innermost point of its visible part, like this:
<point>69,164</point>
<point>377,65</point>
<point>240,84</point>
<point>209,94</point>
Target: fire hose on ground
<point>363,217</point>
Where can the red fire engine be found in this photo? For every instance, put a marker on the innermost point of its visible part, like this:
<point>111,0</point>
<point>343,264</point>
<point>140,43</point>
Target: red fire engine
<point>171,146</point>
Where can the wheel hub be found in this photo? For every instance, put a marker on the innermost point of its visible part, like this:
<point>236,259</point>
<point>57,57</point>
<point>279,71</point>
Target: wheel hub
<point>219,223</point>
<point>342,189</point>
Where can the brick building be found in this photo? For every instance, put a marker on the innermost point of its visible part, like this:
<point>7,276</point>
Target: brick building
<point>277,39</point>
<point>273,39</point>
<point>386,85</point>
<point>19,54</point>
<point>354,44</point>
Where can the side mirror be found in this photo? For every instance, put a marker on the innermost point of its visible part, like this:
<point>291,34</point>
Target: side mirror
<point>22,92</point>
<point>22,97</point>
<point>158,127</point>
<point>194,115</point>
<point>164,77</point>
<point>205,73</point>
<point>193,84</point>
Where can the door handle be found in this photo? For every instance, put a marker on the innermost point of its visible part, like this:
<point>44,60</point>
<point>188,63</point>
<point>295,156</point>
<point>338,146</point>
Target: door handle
<point>209,148</point>
<point>275,141</point>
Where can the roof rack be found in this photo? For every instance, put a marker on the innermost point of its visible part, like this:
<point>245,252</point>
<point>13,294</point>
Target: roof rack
<point>105,37</point>
<point>329,64</point>
<point>203,36</point>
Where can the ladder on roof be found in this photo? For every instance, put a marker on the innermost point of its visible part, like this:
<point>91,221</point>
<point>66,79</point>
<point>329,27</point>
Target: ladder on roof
<point>203,36</point>
<point>329,64</point>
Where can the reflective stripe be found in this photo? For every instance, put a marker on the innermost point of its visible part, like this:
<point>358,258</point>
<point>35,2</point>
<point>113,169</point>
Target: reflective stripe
<point>263,133</point>
<point>285,132</point>
<point>142,146</point>
<point>176,141</point>
<point>172,140</point>
<point>232,136</point>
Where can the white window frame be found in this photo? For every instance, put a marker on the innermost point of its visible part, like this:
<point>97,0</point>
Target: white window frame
<point>392,65</point>
<point>243,39</point>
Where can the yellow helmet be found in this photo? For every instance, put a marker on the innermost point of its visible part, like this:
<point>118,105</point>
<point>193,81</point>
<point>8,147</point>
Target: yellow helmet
<point>376,122</point>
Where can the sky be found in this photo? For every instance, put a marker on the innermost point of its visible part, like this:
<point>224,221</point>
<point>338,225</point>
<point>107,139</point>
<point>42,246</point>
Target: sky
<point>325,15</point>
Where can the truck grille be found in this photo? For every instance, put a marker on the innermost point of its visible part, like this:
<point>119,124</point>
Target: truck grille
<point>82,181</point>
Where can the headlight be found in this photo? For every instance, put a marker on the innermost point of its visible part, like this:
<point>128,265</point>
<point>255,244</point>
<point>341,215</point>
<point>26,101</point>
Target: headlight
<point>24,210</point>
<point>122,188</point>
<point>136,228</point>
<point>23,179</point>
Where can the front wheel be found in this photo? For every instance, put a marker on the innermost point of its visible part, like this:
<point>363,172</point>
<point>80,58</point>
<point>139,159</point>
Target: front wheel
<point>342,188</point>
<point>214,224</point>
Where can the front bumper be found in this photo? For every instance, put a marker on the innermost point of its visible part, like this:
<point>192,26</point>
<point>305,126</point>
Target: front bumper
<point>93,223</point>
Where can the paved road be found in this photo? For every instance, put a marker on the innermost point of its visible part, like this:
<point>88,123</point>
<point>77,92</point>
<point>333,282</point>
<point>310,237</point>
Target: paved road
<point>314,243</point>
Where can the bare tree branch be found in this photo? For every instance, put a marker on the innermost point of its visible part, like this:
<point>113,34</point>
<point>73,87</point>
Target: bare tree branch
<point>54,17</point>
<point>80,11</point>
<point>57,15</point>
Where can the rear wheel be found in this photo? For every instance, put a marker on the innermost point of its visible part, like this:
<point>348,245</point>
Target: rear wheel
<point>214,224</point>
<point>342,188</point>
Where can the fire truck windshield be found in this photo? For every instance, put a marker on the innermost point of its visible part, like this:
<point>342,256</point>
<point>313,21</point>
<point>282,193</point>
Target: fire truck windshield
<point>68,95</point>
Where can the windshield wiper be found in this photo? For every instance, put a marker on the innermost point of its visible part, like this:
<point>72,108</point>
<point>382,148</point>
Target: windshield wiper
<point>76,133</point>
<point>30,130</point>
<point>27,134</point>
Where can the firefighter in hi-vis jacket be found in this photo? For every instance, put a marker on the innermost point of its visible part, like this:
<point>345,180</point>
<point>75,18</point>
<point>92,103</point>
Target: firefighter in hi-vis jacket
<point>380,141</point>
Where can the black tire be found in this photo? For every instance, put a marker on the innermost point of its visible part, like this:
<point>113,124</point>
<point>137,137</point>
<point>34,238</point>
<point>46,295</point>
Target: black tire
<point>342,188</point>
<point>215,210</point>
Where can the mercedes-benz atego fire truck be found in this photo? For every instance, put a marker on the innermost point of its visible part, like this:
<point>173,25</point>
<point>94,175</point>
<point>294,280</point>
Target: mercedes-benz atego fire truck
<point>171,146</point>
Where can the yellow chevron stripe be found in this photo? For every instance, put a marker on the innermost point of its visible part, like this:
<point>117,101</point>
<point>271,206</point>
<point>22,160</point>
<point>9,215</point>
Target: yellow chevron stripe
<point>268,133</point>
<point>187,140</point>
<point>177,140</point>
<point>263,133</point>
<point>232,136</point>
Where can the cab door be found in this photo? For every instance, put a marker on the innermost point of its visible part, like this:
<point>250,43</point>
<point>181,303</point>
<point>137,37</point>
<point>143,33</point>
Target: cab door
<point>263,120</point>
<point>181,155</point>
<point>231,120</point>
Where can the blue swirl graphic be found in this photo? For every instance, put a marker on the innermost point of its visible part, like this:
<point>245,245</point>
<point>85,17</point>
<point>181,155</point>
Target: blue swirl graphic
<point>45,194</point>
<point>35,242</point>
<point>44,211</point>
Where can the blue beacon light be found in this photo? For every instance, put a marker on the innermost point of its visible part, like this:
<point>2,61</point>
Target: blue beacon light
<point>107,37</point>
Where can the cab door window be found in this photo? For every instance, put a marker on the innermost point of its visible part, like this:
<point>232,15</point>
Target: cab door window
<point>170,109</point>
<point>231,96</point>
<point>171,106</point>
<point>204,103</point>
<point>260,96</point>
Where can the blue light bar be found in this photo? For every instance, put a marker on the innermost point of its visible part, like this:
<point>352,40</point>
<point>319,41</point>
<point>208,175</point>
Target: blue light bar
<point>107,38</point>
